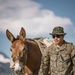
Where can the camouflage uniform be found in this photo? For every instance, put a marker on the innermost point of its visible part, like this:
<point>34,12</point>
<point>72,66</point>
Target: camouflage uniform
<point>58,61</point>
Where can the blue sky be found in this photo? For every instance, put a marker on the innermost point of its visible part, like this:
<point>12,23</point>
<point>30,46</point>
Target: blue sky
<point>38,17</point>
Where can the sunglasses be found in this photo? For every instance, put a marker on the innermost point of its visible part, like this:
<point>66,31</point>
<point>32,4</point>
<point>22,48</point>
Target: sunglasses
<point>58,36</point>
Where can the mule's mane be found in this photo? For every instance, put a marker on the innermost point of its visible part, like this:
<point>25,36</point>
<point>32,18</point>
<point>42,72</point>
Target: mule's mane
<point>17,38</point>
<point>30,39</point>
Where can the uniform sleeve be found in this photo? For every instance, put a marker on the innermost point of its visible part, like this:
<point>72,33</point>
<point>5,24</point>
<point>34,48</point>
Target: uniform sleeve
<point>73,58</point>
<point>45,63</point>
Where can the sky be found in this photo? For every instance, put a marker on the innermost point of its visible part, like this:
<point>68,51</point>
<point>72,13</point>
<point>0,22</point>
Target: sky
<point>37,17</point>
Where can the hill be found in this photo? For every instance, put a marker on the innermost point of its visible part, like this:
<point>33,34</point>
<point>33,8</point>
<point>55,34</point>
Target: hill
<point>5,65</point>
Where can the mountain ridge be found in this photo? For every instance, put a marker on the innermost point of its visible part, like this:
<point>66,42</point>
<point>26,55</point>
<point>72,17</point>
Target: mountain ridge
<point>5,65</point>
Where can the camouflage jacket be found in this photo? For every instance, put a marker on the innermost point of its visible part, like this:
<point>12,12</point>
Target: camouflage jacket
<point>58,61</point>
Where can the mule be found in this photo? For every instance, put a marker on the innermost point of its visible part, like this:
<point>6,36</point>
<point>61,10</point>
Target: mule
<point>26,54</point>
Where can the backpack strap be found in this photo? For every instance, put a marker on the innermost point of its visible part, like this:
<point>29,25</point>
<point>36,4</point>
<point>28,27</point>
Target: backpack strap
<point>69,47</point>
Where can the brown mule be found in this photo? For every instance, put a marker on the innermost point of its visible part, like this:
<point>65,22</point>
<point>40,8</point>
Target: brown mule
<point>26,55</point>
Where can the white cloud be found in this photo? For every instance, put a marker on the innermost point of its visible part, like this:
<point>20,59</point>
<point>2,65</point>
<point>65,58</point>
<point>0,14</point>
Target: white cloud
<point>3,59</point>
<point>28,14</point>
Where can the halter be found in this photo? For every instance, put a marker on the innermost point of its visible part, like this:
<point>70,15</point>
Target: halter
<point>19,58</point>
<point>22,58</point>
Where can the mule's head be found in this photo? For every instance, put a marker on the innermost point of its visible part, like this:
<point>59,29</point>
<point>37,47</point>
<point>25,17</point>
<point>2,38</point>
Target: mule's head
<point>19,50</point>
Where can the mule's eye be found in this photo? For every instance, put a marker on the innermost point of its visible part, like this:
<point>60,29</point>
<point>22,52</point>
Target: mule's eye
<point>24,49</point>
<point>10,49</point>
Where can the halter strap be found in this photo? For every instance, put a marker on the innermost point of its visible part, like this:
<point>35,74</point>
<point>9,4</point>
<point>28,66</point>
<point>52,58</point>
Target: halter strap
<point>19,58</point>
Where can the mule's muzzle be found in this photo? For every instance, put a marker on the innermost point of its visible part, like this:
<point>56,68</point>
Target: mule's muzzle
<point>19,72</point>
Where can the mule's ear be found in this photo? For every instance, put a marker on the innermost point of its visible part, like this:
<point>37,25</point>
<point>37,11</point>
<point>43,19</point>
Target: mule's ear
<point>22,34</point>
<point>9,36</point>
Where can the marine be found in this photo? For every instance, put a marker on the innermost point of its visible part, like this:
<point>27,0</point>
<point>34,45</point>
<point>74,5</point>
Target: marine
<point>58,58</point>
